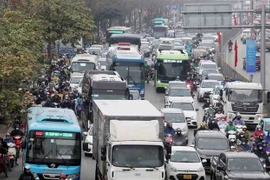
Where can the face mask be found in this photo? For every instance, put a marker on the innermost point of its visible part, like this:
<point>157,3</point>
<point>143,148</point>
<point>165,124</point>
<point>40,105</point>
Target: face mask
<point>259,129</point>
<point>260,148</point>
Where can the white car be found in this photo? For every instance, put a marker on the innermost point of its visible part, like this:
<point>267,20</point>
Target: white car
<point>177,118</point>
<point>102,64</point>
<point>214,76</point>
<point>75,81</point>
<point>172,84</point>
<point>207,65</point>
<point>89,141</point>
<point>189,111</point>
<point>215,97</point>
<point>177,94</point>
<point>184,163</point>
<point>205,89</point>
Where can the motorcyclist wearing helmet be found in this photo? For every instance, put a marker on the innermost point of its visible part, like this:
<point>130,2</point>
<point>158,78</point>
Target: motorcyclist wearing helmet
<point>243,142</point>
<point>56,98</point>
<point>202,127</point>
<point>212,124</point>
<point>222,123</point>
<point>265,146</point>
<point>219,115</point>
<point>260,139</point>
<point>62,177</point>
<point>209,112</point>
<point>27,175</point>
<point>48,103</point>
<point>230,127</point>
<point>179,139</point>
<point>258,131</point>
<point>16,132</point>
<point>238,121</point>
<point>260,152</point>
<point>169,129</point>
<point>8,138</point>
<point>246,132</point>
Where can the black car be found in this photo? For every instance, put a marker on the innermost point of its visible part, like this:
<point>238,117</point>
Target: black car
<point>210,143</point>
<point>237,165</point>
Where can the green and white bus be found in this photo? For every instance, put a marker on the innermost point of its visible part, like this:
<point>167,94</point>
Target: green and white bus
<point>169,65</point>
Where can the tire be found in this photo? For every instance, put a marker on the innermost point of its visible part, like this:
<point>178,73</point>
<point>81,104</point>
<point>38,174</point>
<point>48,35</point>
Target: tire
<point>12,162</point>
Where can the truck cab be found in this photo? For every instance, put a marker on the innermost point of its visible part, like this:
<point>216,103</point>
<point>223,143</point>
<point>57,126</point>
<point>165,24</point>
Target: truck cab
<point>245,98</point>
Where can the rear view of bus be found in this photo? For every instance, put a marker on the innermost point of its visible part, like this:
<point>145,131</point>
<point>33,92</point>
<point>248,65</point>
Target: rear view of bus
<point>53,143</point>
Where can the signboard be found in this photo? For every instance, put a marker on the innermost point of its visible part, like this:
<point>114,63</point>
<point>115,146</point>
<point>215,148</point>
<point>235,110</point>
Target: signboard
<point>251,56</point>
<point>207,17</point>
<point>54,134</point>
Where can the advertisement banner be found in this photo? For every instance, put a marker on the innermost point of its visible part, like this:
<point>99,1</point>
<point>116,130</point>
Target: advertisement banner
<point>251,56</point>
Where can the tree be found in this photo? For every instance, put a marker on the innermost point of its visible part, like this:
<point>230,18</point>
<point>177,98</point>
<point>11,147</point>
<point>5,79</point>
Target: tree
<point>64,20</point>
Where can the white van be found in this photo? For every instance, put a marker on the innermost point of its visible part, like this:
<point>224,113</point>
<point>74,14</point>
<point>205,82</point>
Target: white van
<point>83,62</point>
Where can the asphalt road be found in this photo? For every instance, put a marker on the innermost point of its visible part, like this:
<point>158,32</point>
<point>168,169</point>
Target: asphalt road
<point>88,165</point>
<point>242,53</point>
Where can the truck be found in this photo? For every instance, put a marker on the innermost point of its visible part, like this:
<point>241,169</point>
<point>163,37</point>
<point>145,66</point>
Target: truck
<point>237,165</point>
<point>127,140</point>
<point>101,85</point>
<point>245,98</point>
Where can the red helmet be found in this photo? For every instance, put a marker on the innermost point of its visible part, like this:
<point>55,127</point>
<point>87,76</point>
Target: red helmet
<point>63,176</point>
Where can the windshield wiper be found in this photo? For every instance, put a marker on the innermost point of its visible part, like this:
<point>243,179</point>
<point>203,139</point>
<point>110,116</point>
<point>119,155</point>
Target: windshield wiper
<point>131,80</point>
<point>125,165</point>
<point>153,167</point>
<point>45,156</point>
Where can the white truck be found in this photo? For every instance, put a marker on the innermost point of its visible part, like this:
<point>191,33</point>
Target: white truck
<point>245,98</point>
<point>128,140</point>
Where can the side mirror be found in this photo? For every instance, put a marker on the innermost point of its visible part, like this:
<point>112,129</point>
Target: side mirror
<point>103,157</point>
<point>204,161</point>
<point>196,109</point>
<point>85,146</point>
<point>168,156</point>
<point>85,133</point>
<point>103,150</point>
<point>192,145</point>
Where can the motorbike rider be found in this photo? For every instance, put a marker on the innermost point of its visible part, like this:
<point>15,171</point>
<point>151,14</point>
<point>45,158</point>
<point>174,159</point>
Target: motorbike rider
<point>260,152</point>
<point>267,137</point>
<point>260,139</point>
<point>179,137</point>
<point>209,111</point>
<point>246,132</point>
<point>78,102</point>
<point>222,123</point>
<point>230,127</point>
<point>56,98</point>
<point>265,146</point>
<point>48,103</point>
<point>212,124</point>
<point>226,79</point>
<point>202,127</point>
<point>219,115</point>
<point>238,121</point>
<point>8,138</point>
<point>3,152</point>
<point>27,175</point>
<point>258,131</point>
<point>230,43</point>
<point>169,129</point>
<point>66,102</point>
<point>243,142</point>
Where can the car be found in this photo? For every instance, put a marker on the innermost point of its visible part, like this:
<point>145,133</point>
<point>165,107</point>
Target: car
<point>95,51</point>
<point>208,144</point>
<point>176,93</point>
<point>215,97</point>
<point>206,88</point>
<point>258,62</point>
<point>89,139</point>
<point>102,64</point>
<point>237,165</point>
<point>189,111</point>
<point>206,65</point>
<point>177,118</point>
<point>206,72</point>
<point>216,76</point>
<point>100,46</point>
<point>267,44</point>
<point>135,94</point>
<point>172,84</point>
<point>183,162</point>
<point>75,81</point>
<point>245,35</point>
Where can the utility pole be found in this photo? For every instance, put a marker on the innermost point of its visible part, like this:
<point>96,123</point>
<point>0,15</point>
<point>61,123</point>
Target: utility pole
<point>263,64</point>
<point>252,31</point>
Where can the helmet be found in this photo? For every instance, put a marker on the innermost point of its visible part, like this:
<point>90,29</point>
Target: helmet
<point>259,146</point>
<point>241,135</point>
<point>169,124</point>
<point>244,127</point>
<point>261,135</point>
<point>264,143</point>
<point>259,127</point>
<point>26,167</point>
<point>178,131</point>
<point>7,134</point>
<point>63,176</point>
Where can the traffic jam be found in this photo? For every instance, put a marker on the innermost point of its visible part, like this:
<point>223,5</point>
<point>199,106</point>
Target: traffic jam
<point>94,105</point>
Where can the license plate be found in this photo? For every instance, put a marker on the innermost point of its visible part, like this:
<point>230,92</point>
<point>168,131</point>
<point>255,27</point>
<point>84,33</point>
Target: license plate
<point>187,176</point>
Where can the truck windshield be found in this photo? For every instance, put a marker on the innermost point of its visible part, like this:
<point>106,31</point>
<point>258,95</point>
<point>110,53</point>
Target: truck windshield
<point>143,156</point>
<point>212,143</point>
<point>245,95</point>
<point>244,164</point>
<point>185,157</point>
<point>110,94</point>
<point>267,126</point>
<point>82,66</point>
<point>54,147</point>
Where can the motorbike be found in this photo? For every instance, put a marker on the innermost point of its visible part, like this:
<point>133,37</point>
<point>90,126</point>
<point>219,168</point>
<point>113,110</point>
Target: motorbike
<point>232,138</point>
<point>11,153</point>
<point>18,141</point>
<point>239,128</point>
<point>79,110</point>
<point>168,140</point>
<point>206,104</point>
<point>222,126</point>
<point>180,141</point>
<point>230,48</point>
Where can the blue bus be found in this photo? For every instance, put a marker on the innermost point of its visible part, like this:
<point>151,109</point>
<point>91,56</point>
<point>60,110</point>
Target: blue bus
<point>130,65</point>
<point>53,143</point>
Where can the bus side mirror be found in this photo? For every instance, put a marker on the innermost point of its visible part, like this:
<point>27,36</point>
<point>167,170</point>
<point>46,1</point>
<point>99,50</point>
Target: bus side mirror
<point>268,97</point>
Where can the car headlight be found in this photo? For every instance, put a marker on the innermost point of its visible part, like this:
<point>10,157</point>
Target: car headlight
<point>173,169</point>
<point>193,117</point>
<point>158,81</point>
<point>201,169</point>
<point>258,117</point>
<point>202,156</point>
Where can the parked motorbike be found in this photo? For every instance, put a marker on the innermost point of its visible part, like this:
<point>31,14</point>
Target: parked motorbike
<point>11,153</point>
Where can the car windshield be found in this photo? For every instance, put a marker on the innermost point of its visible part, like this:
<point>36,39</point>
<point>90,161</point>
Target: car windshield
<point>113,95</point>
<point>245,164</point>
<point>208,84</point>
<point>82,66</point>
<point>245,95</point>
<point>209,66</point>
<point>212,143</point>
<point>143,156</point>
<point>179,92</point>
<point>135,95</point>
<point>75,80</point>
<point>177,85</point>
<point>209,71</point>
<point>95,51</point>
<point>185,157</point>
<point>216,77</point>
<point>183,106</point>
<point>174,117</point>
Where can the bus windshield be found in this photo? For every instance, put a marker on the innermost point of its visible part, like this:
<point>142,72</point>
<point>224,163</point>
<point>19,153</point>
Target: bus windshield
<point>82,66</point>
<point>132,72</point>
<point>160,32</point>
<point>110,94</point>
<point>54,147</point>
<point>168,70</point>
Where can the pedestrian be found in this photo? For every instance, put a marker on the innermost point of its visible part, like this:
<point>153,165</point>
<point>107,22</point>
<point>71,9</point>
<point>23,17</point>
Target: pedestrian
<point>26,175</point>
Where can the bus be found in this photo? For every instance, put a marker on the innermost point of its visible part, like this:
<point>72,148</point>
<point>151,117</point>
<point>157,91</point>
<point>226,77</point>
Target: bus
<point>83,62</point>
<point>52,143</point>
<point>130,65</point>
<point>125,38</point>
<point>169,65</point>
<point>160,21</point>
<point>117,30</point>
<point>160,31</point>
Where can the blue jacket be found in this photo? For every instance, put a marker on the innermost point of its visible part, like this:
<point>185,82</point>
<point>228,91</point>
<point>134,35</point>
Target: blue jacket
<point>168,130</point>
<point>236,122</point>
<point>9,140</point>
<point>267,138</point>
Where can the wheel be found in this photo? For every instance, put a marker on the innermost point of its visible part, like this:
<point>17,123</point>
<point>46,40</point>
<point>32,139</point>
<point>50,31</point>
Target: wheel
<point>157,90</point>
<point>11,163</point>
